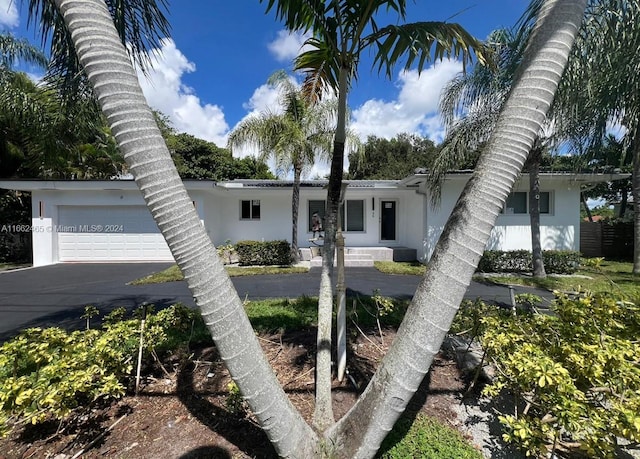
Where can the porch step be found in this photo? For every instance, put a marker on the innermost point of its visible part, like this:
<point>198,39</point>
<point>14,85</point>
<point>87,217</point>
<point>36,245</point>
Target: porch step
<point>350,260</point>
<point>372,253</point>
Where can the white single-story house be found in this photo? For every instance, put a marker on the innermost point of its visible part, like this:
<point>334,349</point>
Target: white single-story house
<point>97,221</point>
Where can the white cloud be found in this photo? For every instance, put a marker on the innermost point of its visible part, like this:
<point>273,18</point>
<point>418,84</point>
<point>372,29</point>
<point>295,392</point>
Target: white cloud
<point>287,45</point>
<point>9,17</point>
<point>165,91</point>
<point>415,108</point>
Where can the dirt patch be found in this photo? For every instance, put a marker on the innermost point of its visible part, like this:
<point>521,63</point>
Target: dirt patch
<point>185,412</point>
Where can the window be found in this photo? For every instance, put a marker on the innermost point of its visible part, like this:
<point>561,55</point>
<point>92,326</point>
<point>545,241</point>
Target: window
<point>354,218</point>
<point>315,207</point>
<point>545,202</point>
<point>250,209</point>
<point>351,214</point>
<point>518,203</point>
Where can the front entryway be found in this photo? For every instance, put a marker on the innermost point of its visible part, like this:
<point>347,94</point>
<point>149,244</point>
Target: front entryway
<point>388,220</point>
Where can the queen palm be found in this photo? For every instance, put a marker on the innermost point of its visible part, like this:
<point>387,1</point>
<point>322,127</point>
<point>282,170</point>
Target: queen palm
<point>361,431</point>
<point>294,138</point>
<point>470,105</point>
<point>602,86</point>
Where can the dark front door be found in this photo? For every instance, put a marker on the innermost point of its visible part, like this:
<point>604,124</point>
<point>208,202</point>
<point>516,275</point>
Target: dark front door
<point>388,221</point>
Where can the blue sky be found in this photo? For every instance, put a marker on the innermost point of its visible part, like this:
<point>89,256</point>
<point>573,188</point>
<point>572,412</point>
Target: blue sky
<point>211,72</point>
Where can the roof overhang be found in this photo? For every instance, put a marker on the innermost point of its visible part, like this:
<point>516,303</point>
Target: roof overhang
<point>580,178</point>
<point>90,185</point>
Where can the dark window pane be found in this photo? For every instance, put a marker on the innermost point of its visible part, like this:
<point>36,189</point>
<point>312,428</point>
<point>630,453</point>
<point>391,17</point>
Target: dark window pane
<point>316,207</point>
<point>255,209</point>
<point>355,215</point>
<point>516,203</point>
<point>245,212</point>
<point>545,202</point>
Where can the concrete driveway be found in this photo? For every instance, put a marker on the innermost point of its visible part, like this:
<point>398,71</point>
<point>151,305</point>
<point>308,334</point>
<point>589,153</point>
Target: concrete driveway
<point>56,295</point>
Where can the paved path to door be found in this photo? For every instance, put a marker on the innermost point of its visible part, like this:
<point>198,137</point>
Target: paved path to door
<point>56,294</point>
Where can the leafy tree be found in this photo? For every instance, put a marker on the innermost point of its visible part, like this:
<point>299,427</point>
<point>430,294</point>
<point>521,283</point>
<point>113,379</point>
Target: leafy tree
<point>293,138</point>
<point>384,159</point>
<point>342,31</point>
<point>602,86</point>
<point>361,431</point>
<point>44,135</point>
<point>610,155</point>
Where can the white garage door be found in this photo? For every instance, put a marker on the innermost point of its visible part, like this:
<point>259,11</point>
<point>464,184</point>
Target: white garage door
<point>109,233</point>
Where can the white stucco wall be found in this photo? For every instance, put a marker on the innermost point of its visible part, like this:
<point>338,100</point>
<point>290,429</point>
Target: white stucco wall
<point>559,230</point>
<point>47,224</point>
<point>418,225</point>
<point>223,221</point>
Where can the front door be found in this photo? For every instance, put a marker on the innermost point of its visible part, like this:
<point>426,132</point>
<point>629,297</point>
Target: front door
<point>388,221</point>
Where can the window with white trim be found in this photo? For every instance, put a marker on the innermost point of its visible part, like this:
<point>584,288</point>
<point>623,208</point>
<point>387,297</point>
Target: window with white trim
<point>518,203</point>
<point>250,209</point>
<point>316,207</point>
<point>351,214</point>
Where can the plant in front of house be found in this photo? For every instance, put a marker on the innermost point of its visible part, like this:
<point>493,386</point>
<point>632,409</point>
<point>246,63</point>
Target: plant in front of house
<point>575,375</point>
<point>51,374</point>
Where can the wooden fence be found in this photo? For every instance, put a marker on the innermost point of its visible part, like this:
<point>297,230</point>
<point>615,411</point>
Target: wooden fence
<point>609,240</point>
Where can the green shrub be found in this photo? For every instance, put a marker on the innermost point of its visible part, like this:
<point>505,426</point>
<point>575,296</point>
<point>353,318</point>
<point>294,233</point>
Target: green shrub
<point>49,373</point>
<point>575,375</point>
<point>519,261</point>
<point>252,253</point>
<point>561,261</point>
<point>425,438</point>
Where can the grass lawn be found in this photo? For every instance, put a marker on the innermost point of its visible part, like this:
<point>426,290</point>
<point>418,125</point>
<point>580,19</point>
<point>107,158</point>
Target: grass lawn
<point>413,268</point>
<point>611,276</point>
<point>10,266</point>
<point>173,274</point>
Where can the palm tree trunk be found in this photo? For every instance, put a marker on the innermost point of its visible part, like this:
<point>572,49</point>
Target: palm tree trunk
<point>323,415</point>
<point>115,83</point>
<point>586,207</point>
<point>635,192</point>
<point>436,301</point>
<point>534,213</point>
<point>295,206</point>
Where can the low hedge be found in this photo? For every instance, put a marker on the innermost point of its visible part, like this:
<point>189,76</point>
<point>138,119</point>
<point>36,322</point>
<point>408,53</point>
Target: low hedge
<point>517,261</point>
<point>252,253</point>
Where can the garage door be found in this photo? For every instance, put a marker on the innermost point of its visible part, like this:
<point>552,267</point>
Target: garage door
<point>109,233</point>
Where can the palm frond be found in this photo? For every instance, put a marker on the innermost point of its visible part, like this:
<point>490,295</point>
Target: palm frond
<point>14,49</point>
<point>141,25</point>
<point>420,42</point>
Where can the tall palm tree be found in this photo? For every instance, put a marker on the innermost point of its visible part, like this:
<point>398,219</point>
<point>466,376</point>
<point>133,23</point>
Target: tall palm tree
<point>294,138</point>
<point>342,31</point>
<point>602,86</point>
<point>360,432</point>
<point>470,105</point>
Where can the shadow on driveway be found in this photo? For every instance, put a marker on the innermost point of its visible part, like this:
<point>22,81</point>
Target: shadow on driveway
<point>56,295</point>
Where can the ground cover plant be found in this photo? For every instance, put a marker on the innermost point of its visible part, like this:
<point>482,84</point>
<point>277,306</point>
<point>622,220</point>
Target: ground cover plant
<point>574,373</point>
<point>56,386</point>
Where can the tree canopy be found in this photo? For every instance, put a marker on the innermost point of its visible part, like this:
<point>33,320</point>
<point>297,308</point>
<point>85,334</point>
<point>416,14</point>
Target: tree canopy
<point>391,159</point>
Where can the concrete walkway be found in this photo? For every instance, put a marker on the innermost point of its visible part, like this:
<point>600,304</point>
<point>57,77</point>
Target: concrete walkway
<point>56,295</point>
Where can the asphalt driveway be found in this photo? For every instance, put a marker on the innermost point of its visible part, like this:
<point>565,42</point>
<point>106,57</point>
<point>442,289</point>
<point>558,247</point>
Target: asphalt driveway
<point>56,295</point>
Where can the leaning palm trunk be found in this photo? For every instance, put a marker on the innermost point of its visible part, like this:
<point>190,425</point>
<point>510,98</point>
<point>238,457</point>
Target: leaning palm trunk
<point>108,67</point>
<point>635,192</point>
<point>464,238</point>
